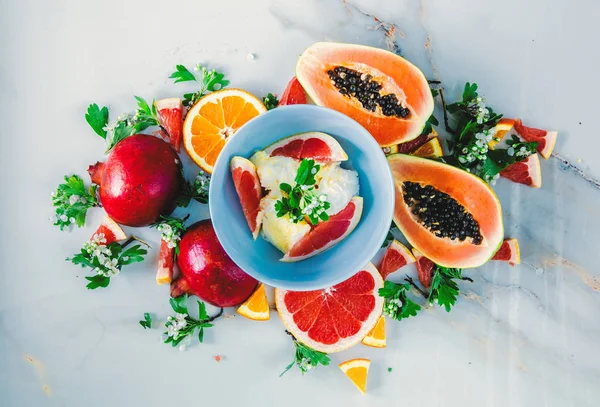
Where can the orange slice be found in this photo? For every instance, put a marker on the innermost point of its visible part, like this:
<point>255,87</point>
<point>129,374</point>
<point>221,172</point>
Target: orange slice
<point>376,338</point>
<point>256,307</point>
<point>357,371</point>
<point>431,149</point>
<point>213,120</point>
<point>502,128</point>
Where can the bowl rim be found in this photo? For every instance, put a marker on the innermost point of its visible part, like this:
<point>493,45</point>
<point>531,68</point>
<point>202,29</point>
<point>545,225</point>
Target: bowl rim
<point>304,285</point>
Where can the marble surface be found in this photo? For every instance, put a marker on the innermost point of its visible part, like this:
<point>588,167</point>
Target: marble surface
<point>522,336</point>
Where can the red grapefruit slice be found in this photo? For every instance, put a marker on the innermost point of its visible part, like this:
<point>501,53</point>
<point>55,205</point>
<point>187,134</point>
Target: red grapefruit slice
<point>314,145</point>
<point>545,139</point>
<point>424,268</point>
<point>395,257</point>
<point>247,185</point>
<point>328,233</point>
<point>335,318</point>
<point>509,252</point>
<point>293,94</point>
<point>111,230</point>
<point>166,258</point>
<point>527,172</point>
<point>170,115</point>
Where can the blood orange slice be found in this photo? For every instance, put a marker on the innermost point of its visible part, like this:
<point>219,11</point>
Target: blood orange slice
<point>335,318</point>
<point>247,186</point>
<point>431,149</point>
<point>314,145</point>
<point>424,268</point>
<point>509,252</point>
<point>395,257</point>
<point>527,172</point>
<point>110,230</point>
<point>170,114</point>
<point>293,94</point>
<point>166,258</point>
<point>545,139</point>
<point>328,233</point>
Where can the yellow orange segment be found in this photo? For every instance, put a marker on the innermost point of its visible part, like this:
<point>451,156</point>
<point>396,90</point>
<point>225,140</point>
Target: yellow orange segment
<point>431,149</point>
<point>376,338</point>
<point>215,118</point>
<point>357,370</point>
<point>256,307</point>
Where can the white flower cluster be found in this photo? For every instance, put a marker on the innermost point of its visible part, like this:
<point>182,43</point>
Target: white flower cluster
<point>202,183</point>
<point>481,111</point>
<point>477,150</point>
<point>128,118</point>
<point>491,180</point>
<point>169,235</point>
<point>63,218</point>
<point>392,307</point>
<point>175,325</point>
<point>60,199</point>
<point>316,206</point>
<point>521,152</point>
<point>305,365</point>
<point>98,249</point>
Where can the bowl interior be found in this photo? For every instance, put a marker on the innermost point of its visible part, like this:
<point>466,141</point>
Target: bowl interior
<point>259,258</point>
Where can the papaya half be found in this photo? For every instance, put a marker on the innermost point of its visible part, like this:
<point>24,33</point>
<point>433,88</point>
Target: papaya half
<point>449,215</point>
<point>385,93</point>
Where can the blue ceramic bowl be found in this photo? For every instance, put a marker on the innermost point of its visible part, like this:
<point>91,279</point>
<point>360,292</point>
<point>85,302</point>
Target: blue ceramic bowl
<point>262,260</point>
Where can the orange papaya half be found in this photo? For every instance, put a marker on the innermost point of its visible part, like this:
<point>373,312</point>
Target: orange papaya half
<point>449,215</point>
<point>382,91</point>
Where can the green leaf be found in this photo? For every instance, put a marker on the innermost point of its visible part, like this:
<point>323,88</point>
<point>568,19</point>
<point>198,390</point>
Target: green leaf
<point>97,281</point>
<point>120,133</point>
<point>202,315</point>
<point>470,92</point>
<point>287,188</point>
<point>182,74</point>
<point>200,334</point>
<point>270,101</point>
<point>97,119</point>
<point>179,304</point>
<point>146,323</point>
<point>409,309</point>
<point>134,254</point>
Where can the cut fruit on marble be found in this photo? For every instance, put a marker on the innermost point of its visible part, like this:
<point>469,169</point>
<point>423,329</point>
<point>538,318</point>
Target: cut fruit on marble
<point>424,268</point>
<point>396,256</point>
<point>376,338</point>
<point>256,307</point>
<point>170,115</point>
<point>526,172</point>
<point>431,149</point>
<point>293,94</point>
<point>385,93</point>
<point>357,370</point>
<point>215,118</point>
<point>335,318</point>
<point>509,252</point>
<point>110,231</point>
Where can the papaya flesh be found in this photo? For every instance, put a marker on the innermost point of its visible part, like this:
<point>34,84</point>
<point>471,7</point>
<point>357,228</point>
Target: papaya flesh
<point>382,91</point>
<point>480,219</point>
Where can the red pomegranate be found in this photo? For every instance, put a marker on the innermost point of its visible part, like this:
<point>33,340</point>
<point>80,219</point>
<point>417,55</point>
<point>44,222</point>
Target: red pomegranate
<point>207,271</point>
<point>140,181</point>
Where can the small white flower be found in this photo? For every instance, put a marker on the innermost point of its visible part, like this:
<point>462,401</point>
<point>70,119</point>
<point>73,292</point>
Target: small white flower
<point>73,199</point>
<point>510,151</point>
<point>313,171</point>
<point>172,330</point>
<point>183,345</point>
<point>53,219</point>
<point>461,159</point>
<point>64,218</point>
<point>53,194</point>
<point>304,187</point>
<point>72,220</point>
<point>323,198</point>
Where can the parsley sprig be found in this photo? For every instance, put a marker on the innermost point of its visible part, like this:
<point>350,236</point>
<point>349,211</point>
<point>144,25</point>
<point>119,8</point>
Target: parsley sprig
<point>182,327</point>
<point>72,200</point>
<point>302,200</point>
<point>171,229</point>
<point>444,289</point>
<point>474,129</point>
<point>106,260</point>
<point>209,81</point>
<point>126,124</point>
<point>397,305</point>
<point>198,190</point>
<point>146,323</point>
<point>306,358</point>
<point>270,101</point>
